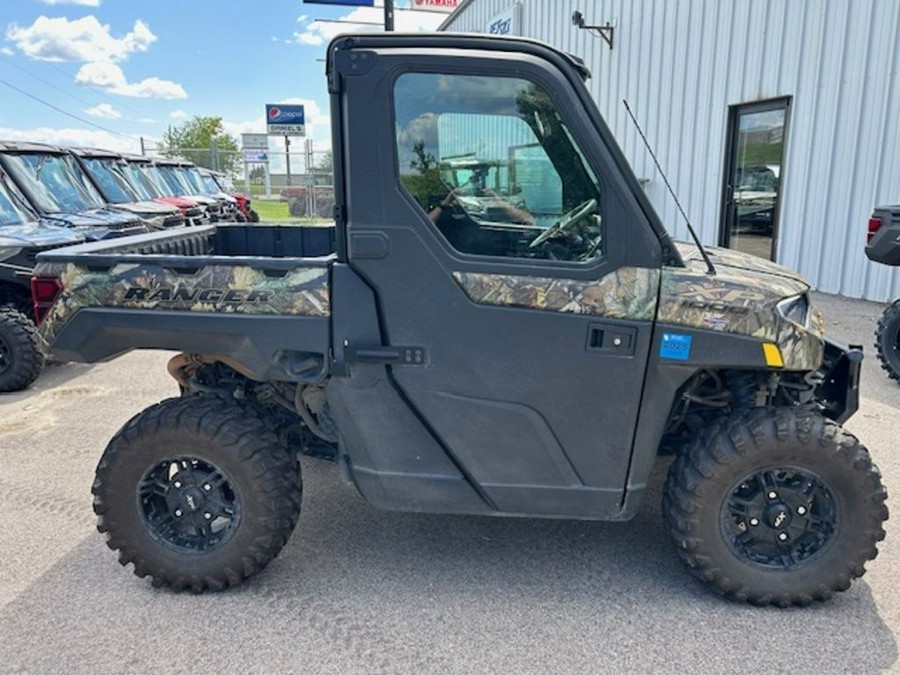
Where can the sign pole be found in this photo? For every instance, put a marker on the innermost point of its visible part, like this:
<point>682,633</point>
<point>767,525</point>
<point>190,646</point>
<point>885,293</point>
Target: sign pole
<point>388,15</point>
<point>287,155</point>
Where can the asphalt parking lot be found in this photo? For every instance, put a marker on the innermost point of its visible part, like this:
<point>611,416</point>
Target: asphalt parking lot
<point>358,590</point>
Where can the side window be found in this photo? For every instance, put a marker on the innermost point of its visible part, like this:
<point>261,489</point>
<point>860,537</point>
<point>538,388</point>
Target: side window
<point>493,165</point>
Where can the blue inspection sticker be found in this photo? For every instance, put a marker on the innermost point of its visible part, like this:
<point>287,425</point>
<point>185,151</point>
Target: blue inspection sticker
<point>675,346</point>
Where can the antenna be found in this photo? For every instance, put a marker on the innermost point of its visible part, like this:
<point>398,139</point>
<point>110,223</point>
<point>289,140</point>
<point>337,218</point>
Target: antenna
<point>709,266</point>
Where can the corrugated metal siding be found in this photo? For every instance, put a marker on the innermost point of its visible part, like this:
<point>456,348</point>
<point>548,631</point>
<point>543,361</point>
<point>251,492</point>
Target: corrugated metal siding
<point>681,63</point>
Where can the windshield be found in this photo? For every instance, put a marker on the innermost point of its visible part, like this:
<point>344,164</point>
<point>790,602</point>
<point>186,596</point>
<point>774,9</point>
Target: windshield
<point>191,177</point>
<point>139,181</point>
<point>113,184</point>
<point>173,181</point>
<point>225,183</point>
<point>55,182</point>
<point>210,186</point>
<point>12,210</point>
<point>154,175</point>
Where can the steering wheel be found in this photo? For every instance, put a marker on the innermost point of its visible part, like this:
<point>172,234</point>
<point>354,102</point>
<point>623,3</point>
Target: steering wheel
<point>566,221</point>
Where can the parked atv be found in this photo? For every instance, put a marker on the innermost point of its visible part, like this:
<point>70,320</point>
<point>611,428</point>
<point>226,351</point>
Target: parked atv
<point>884,247</point>
<point>22,237</point>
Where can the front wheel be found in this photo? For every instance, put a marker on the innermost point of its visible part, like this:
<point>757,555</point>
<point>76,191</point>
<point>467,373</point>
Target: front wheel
<point>197,493</point>
<point>887,340</point>
<point>775,507</point>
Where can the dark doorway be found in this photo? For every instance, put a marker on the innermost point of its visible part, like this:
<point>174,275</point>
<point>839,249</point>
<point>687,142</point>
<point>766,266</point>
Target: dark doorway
<point>754,175</point>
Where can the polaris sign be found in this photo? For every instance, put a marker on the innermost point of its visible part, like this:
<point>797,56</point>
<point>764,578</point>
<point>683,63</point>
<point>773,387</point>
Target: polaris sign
<point>285,119</point>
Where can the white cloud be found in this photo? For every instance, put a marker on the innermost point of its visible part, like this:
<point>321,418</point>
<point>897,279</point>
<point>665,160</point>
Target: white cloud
<point>178,114</point>
<point>317,33</point>
<point>73,137</point>
<point>6,51</point>
<point>84,39</point>
<point>309,38</point>
<point>104,110</point>
<point>302,18</point>
<point>146,120</point>
<point>83,3</point>
<point>109,76</point>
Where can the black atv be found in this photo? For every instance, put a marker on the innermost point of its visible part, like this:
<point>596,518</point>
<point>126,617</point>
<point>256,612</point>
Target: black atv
<point>22,237</point>
<point>884,247</point>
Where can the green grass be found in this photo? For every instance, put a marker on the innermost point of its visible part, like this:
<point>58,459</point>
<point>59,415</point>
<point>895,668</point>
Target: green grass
<point>274,212</point>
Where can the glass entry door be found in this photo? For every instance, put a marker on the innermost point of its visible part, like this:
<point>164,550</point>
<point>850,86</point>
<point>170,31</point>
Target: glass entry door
<point>754,176</point>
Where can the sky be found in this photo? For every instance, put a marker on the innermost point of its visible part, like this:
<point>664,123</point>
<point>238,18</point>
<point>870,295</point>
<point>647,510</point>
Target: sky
<point>131,69</point>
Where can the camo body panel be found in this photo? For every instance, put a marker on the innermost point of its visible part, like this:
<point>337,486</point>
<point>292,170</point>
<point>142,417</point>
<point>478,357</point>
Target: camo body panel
<point>627,293</point>
<point>742,302</point>
<point>303,291</point>
<point>739,301</point>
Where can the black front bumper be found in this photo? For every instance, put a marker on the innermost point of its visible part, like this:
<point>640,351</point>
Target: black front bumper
<point>838,390</point>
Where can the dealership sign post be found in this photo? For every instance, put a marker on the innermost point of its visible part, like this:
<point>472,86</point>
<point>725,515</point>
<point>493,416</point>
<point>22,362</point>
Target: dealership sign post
<point>285,119</point>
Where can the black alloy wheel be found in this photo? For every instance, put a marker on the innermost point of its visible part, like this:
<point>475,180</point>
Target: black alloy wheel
<point>190,504</point>
<point>779,517</point>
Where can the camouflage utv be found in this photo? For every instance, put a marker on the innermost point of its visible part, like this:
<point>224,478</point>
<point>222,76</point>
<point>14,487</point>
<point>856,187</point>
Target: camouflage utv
<point>537,365</point>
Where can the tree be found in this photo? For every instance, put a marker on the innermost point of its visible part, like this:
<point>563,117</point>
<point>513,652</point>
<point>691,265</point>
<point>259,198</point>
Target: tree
<point>326,162</point>
<point>203,141</point>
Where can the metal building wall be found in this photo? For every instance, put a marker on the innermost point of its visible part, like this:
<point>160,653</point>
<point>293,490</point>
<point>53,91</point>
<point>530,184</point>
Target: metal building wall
<point>681,63</point>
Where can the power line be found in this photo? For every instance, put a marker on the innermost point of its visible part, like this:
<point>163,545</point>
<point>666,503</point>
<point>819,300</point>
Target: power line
<point>40,79</point>
<point>65,112</point>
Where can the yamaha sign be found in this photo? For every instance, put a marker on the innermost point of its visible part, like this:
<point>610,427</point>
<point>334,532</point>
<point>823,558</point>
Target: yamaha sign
<point>285,119</point>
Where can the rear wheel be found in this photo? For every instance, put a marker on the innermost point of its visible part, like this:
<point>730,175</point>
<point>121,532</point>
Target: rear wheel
<point>20,359</point>
<point>887,340</point>
<point>197,493</point>
<point>775,507</point>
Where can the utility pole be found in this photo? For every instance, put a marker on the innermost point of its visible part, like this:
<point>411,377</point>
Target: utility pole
<point>287,155</point>
<point>143,151</point>
<point>388,15</point>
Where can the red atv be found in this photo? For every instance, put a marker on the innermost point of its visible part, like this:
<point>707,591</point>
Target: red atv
<point>243,201</point>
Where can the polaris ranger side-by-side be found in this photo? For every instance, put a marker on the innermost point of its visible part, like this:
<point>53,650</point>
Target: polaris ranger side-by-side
<point>22,237</point>
<point>534,363</point>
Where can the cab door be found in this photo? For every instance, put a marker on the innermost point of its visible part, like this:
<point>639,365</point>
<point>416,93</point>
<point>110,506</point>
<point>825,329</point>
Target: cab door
<point>517,306</point>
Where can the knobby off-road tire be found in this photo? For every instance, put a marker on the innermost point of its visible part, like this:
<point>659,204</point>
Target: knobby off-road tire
<point>197,493</point>
<point>887,340</point>
<point>21,360</point>
<point>760,475</point>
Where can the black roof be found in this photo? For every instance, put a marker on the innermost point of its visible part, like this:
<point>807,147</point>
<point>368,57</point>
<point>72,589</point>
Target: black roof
<point>27,146</point>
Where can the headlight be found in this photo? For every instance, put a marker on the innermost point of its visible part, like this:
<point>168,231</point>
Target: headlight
<point>7,252</point>
<point>795,309</point>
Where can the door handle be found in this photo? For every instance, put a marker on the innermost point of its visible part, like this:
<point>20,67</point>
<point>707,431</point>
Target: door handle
<point>611,339</point>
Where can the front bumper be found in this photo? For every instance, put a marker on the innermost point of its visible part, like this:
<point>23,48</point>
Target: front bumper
<point>837,392</point>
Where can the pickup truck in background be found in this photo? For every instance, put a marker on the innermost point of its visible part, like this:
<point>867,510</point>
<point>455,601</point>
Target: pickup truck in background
<point>449,363</point>
<point>883,246</point>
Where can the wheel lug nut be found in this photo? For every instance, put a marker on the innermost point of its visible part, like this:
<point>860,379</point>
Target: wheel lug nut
<point>783,536</point>
<point>177,483</point>
<point>773,495</point>
<point>207,515</point>
<point>207,487</point>
<point>754,521</point>
<point>178,513</point>
<point>801,510</point>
